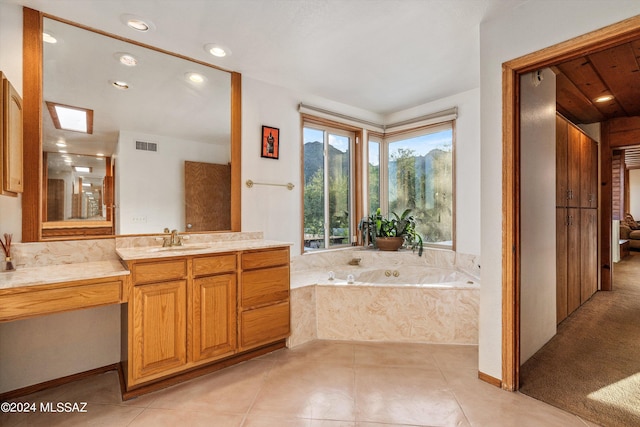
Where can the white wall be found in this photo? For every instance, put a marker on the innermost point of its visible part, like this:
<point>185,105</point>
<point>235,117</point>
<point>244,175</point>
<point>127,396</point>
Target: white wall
<point>11,66</point>
<point>634,193</point>
<point>538,218</point>
<point>531,27</point>
<point>150,185</point>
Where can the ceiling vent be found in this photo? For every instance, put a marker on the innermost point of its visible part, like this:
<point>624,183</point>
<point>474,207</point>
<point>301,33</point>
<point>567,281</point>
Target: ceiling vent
<point>147,146</point>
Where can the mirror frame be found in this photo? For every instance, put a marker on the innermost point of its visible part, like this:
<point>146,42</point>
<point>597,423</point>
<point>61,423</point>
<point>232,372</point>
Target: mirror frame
<point>32,75</point>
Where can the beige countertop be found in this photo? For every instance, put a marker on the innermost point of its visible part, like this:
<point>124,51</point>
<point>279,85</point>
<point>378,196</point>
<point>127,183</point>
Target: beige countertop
<point>52,274</point>
<point>148,252</point>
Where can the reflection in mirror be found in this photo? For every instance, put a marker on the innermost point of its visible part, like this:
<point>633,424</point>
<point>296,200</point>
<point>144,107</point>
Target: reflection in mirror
<point>151,113</point>
<point>75,187</point>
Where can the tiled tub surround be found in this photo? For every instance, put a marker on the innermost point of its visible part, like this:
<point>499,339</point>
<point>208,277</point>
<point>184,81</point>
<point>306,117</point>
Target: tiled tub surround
<point>405,310</point>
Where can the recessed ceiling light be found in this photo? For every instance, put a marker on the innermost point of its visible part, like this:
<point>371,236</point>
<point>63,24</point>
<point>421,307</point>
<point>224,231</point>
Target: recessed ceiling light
<point>603,98</point>
<point>62,151</point>
<point>119,84</point>
<point>49,38</point>
<point>126,59</point>
<point>99,154</point>
<point>61,144</point>
<point>82,169</point>
<point>195,77</point>
<point>217,50</point>
<point>137,23</point>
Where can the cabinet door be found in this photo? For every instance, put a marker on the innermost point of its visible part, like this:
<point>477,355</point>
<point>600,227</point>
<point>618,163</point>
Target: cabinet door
<point>588,253</point>
<point>214,316</point>
<point>562,233</point>
<point>12,139</point>
<point>159,328</point>
<point>589,173</point>
<point>574,291</point>
<point>574,156</point>
<point>562,184</point>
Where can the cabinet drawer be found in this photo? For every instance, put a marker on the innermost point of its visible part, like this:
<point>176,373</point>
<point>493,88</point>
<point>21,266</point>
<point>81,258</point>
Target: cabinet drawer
<point>34,303</point>
<point>158,271</point>
<point>261,259</point>
<point>264,325</point>
<point>206,266</point>
<point>264,286</point>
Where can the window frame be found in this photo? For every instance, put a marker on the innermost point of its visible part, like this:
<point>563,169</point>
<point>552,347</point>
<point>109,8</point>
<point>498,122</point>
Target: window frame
<point>355,186</point>
<point>386,140</point>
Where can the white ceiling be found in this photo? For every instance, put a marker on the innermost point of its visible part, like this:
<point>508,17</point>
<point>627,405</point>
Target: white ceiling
<point>382,56</point>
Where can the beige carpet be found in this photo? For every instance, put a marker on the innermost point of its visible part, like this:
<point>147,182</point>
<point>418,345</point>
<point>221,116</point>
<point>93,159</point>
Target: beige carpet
<point>592,366</point>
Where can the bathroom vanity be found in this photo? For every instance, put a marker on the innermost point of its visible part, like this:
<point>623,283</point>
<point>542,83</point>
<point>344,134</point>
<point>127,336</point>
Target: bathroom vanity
<point>186,310</point>
<point>196,308</point>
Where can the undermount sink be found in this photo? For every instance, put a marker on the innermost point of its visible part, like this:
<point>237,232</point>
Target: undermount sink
<point>179,248</point>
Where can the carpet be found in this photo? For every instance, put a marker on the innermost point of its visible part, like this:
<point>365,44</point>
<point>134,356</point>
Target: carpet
<point>591,368</point>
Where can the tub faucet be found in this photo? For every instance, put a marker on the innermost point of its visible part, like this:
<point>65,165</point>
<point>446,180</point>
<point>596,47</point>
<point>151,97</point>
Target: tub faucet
<point>355,261</point>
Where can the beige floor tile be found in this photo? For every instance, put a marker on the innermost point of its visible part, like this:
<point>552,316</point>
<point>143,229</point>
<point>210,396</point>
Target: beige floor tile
<point>97,415</point>
<point>319,351</point>
<point>398,354</point>
<point>153,417</point>
<point>103,389</point>
<point>230,390</point>
<point>308,390</point>
<point>398,395</point>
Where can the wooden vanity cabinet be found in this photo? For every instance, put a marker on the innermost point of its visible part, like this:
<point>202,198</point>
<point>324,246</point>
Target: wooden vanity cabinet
<point>189,312</point>
<point>157,319</point>
<point>214,306</point>
<point>264,297</point>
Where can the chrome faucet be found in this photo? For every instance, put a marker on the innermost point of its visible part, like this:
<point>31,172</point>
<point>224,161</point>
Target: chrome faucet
<point>174,239</point>
<point>355,261</point>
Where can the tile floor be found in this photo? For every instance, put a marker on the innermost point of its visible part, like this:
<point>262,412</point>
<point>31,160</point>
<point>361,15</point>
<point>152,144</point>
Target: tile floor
<point>319,384</point>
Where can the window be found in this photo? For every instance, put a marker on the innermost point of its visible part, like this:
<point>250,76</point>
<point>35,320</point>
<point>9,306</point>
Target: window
<point>418,166</point>
<point>328,186</point>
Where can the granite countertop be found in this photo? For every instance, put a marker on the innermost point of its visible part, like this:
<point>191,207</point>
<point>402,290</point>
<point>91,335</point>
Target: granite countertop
<point>148,252</point>
<point>52,274</point>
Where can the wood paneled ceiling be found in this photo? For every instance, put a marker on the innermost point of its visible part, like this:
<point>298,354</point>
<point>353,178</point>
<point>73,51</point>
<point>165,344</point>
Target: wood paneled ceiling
<point>616,72</point>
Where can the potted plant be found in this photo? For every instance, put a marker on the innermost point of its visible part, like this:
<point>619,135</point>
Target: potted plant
<point>389,234</point>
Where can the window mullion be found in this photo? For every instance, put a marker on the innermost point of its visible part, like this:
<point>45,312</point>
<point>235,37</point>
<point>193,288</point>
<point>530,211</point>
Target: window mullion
<point>325,159</point>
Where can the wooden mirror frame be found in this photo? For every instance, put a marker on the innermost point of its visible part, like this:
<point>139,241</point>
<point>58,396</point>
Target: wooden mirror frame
<point>32,75</point>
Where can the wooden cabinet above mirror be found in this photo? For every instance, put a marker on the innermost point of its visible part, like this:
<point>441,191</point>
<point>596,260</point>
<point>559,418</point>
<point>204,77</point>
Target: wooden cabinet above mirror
<point>174,112</point>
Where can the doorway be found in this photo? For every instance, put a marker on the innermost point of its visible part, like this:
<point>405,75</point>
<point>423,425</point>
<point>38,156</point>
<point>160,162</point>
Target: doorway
<point>608,37</point>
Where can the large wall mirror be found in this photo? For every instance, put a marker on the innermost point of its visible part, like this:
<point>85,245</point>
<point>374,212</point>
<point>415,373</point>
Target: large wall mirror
<point>152,139</point>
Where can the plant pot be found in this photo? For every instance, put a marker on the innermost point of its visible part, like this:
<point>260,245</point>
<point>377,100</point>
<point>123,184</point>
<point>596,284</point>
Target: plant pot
<point>389,243</point>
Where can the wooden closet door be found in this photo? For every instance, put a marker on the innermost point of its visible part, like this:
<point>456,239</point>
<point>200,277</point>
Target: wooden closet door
<point>574,265</point>
<point>589,172</point>
<point>562,233</point>
<point>562,153</point>
<point>588,253</point>
<point>574,175</point>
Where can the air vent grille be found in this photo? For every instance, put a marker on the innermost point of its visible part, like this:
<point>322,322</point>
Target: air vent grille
<point>147,146</point>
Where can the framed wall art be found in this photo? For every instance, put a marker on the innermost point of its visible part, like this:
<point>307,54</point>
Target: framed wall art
<point>270,142</point>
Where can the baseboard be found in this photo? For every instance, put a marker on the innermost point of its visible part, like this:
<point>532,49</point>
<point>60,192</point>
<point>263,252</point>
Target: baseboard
<point>489,379</point>
<point>24,391</point>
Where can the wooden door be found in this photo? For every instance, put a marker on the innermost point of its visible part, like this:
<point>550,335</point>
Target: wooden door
<point>214,316</point>
<point>55,200</point>
<point>562,184</point>
<point>588,253</point>
<point>562,236</point>
<point>574,291</point>
<point>589,173</point>
<point>159,328</point>
<point>207,196</point>
<point>574,155</point>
